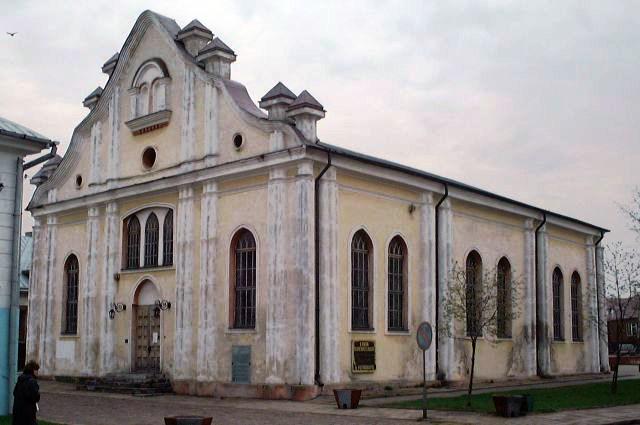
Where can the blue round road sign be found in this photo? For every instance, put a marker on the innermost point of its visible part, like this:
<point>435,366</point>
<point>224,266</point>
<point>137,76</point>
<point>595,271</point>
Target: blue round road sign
<point>424,336</point>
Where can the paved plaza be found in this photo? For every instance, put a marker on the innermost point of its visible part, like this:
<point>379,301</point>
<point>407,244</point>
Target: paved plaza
<point>62,403</point>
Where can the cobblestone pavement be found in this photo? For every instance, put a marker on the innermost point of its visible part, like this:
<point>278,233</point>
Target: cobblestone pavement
<point>61,403</point>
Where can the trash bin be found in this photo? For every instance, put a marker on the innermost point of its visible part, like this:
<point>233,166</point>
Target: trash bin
<point>187,420</point>
<point>507,406</point>
<point>347,398</point>
<point>527,403</point>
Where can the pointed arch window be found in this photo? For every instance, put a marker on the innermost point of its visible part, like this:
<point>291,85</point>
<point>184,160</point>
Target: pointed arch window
<point>472,293</point>
<point>71,280</point>
<point>133,243</point>
<point>243,282</point>
<point>361,291</point>
<point>151,239</point>
<point>167,231</point>
<point>503,274</point>
<point>557,285</point>
<point>576,307</point>
<point>397,285</point>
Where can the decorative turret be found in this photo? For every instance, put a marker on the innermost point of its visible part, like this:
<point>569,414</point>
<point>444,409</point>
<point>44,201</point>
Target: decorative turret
<point>194,37</point>
<point>276,101</point>
<point>91,100</point>
<point>306,111</point>
<point>110,65</point>
<point>217,58</point>
<point>46,171</point>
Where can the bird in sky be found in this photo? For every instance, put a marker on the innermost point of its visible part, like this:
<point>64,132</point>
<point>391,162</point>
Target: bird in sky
<point>12,33</point>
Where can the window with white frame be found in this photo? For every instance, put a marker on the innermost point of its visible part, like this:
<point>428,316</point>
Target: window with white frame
<point>145,243</point>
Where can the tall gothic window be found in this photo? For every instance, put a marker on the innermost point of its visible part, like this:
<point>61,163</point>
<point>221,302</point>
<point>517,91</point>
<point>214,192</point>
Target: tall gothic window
<point>71,276</point>
<point>133,243</point>
<point>576,307</point>
<point>167,251</point>
<point>504,299</point>
<point>397,286</point>
<point>151,238</point>
<point>361,293</point>
<point>557,283</point>
<point>244,280</point>
<point>472,293</point>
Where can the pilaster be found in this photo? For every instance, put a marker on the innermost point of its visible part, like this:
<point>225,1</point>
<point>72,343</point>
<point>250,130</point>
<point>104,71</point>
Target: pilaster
<point>96,141</point>
<point>590,311</point>
<point>206,356</point>
<point>277,280</point>
<point>329,293</point>
<point>528,333</point>
<point>47,347</point>
<point>446,344</point>
<point>211,132</point>
<point>114,146</point>
<point>36,295</point>
<point>428,273</point>
<point>544,327</point>
<point>110,267</point>
<point>188,129</point>
<point>90,323</point>
<point>303,244</point>
<point>183,343</point>
<point>602,307</point>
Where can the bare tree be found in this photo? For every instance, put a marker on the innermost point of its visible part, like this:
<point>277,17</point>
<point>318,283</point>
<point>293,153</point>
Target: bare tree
<point>633,212</point>
<point>486,301</point>
<point>622,286</point>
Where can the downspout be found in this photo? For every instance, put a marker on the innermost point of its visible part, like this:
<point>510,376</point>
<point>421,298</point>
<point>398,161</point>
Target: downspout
<point>595,263</point>
<point>14,312</point>
<point>316,206</point>
<point>437,239</point>
<point>535,255</point>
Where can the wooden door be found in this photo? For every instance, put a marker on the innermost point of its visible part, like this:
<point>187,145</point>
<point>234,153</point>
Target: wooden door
<point>147,339</point>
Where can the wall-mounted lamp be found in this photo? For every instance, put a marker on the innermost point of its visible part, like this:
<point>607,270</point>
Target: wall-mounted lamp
<point>412,208</point>
<point>163,304</point>
<point>116,308</point>
<point>116,277</point>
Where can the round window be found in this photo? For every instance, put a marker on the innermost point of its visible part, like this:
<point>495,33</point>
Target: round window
<point>238,140</point>
<point>148,157</point>
<point>78,180</point>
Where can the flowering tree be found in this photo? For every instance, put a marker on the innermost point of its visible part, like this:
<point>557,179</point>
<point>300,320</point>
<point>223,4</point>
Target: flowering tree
<point>486,301</point>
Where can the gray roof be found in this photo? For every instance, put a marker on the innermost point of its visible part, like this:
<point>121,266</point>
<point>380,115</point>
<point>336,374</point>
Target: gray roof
<point>10,128</point>
<point>112,58</point>
<point>216,44</point>
<point>26,252</point>
<point>277,91</point>
<point>305,99</point>
<point>241,97</point>
<point>195,24</point>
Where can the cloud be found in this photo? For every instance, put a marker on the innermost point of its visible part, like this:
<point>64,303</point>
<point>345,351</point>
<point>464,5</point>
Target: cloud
<point>536,101</point>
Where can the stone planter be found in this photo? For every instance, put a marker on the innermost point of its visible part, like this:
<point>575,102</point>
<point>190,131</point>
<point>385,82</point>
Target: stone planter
<point>347,398</point>
<point>508,406</point>
<point>187,420</point>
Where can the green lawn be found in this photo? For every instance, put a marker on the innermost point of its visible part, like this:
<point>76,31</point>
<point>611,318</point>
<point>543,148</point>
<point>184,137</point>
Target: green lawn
<point>6,420</point>
<point>544,399</point>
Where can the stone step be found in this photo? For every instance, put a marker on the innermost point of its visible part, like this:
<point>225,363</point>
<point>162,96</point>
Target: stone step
<point>136,384</point>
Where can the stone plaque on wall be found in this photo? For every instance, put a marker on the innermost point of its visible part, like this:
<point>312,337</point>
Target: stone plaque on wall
<point>363,359</point>
<point>241,364</point>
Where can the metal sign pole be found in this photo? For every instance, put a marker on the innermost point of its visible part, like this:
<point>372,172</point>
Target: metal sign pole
<point>424,386</point>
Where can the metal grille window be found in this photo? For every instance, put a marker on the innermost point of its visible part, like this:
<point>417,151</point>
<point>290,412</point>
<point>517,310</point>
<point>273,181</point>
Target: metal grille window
<point>71,271</point>
<point>360,267</point>
<point>473,276</point>
<point>245,281</point>
<point>167,243</point>
<point>576,308</point>
<point>133,243</point>
<point>504,299</point>
<point>396,278</point>
<point>151,237</point>
<point>557,304</point>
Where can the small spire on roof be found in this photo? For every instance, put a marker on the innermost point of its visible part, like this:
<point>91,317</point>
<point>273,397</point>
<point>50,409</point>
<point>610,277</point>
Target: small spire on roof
<point>217,44</point>
<point>305,99</point>
<point>194,36</point>
<point>217,58</point>
<point>91,100</point>
<point>276,101</point>
<point>110,65</point>
<point>306,111</point>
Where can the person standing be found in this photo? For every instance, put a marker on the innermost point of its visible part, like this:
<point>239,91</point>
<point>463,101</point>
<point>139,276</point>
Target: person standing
<point>26,396</point>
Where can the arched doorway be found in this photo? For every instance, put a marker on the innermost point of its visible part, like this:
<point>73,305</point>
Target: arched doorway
<point>146,329</point>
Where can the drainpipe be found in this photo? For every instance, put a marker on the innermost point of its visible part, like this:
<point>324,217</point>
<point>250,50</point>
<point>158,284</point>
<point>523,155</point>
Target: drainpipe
<point>535,255</point>
<point>595,263</point>
<point>14,312</point>
<point>437,238</point>
<point>316,205</point>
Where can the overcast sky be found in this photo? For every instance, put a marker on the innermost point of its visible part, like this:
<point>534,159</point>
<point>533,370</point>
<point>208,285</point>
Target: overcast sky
<point>538,101</point>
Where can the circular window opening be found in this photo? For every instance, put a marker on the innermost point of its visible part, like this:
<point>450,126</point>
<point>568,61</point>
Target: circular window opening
<point>148,157</point>
<point>78,180</point>
<point>238,140</point>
